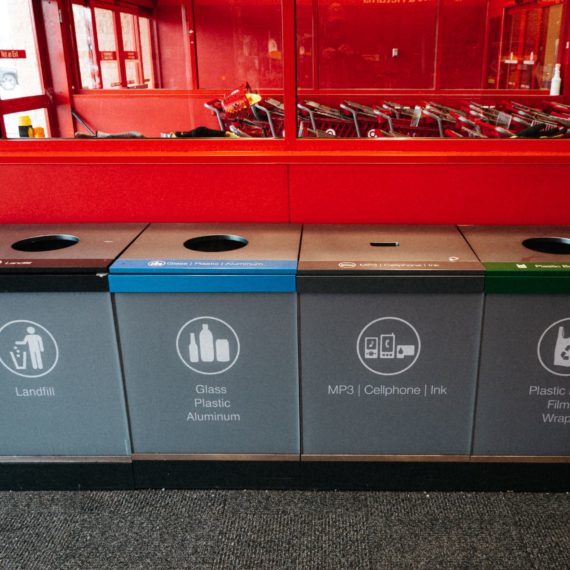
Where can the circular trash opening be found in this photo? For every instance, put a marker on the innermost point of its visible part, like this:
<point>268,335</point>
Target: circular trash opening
<point>46,243</point>
<point>216,243</point>
<point>558,245</point>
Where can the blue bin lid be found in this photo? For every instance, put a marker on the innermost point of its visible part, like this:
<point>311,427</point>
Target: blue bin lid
<point>209,258</point>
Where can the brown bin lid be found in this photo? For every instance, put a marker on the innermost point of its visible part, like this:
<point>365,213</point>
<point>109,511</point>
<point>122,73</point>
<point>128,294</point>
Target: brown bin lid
<point>385,249</point>
<point>63,247</point>
<point>507,243</point>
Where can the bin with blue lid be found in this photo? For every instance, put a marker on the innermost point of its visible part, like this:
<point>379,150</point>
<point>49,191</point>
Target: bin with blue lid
<point>62,396</point>
<point>207,315</point>
<point>523,399</point>
<point>390,320</point>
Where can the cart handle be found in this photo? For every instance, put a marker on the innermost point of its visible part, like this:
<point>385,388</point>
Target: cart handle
<point>311,115</point>
<point>438,120</point>
<point>217,112</point>
<point>354,114</point>
<point>387,118</point>
<point>259,107</point>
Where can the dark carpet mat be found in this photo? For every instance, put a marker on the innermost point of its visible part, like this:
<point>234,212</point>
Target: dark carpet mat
<point>261,530</point>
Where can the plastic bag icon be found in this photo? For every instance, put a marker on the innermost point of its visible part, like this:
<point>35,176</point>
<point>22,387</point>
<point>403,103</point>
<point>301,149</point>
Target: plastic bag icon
<point>562,349</point>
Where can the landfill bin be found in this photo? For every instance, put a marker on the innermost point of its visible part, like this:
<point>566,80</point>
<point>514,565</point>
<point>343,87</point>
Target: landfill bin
<point>523,401</point>
<point>61,390</point>
<point>207,322</point>
<point>390,321</point>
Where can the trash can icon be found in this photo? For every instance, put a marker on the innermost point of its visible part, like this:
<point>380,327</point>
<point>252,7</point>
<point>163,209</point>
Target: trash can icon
<point>523,403</point>
<point>390,320</point>
<point>207,317</point>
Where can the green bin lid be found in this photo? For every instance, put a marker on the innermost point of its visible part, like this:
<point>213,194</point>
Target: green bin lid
<point>522,259</point>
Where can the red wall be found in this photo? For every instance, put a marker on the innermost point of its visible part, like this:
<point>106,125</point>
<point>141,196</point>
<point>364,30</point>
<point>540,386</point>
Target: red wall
<point>430,194</point>
<point>150,113</point>
<point>419,181</point>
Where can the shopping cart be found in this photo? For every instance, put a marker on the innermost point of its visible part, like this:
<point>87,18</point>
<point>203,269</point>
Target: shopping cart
<point>244,110</point>
<point>271,112</point>
<point>324,119</point>
<point>403,121</point>
<point>245,123</point>
<point>365,120</point>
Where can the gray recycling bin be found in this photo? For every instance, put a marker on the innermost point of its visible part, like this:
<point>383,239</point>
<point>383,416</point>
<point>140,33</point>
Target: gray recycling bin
<point>390,321</point>
<point>61,390</point>
<point>207,321</point>
<point>523,401</point>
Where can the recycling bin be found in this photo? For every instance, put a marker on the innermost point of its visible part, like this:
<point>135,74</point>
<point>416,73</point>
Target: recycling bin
<point>523,401</point>
<point>61,389</point>
<point>390,320</point>
<point>207,323</point>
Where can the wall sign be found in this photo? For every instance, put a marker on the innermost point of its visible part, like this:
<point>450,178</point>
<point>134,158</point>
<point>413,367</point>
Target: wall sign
<point>12,54</point>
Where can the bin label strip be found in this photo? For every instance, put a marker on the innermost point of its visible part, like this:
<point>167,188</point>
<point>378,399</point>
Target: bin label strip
<point>227,266</point>
<point>202,283</point>
<point>524,267</point>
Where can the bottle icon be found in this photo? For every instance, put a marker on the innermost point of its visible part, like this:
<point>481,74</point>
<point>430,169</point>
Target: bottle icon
<point>193,348</point>
<point>206,340</point>
<point>222,350</point>
<point>556,81</point>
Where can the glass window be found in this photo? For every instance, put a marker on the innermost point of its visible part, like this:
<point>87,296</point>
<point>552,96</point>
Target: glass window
<point>531,35</point>
<point>106,53</point>
<point>16,124</point>
<point>388,45</point>
<point>461,44</point>
<point>130,52</point>
<point>146,51</point>
<point>88,68</point>
<point>355,58</point>
<point>239,42</point>
<point>20,74</point>
<point>107,44</point>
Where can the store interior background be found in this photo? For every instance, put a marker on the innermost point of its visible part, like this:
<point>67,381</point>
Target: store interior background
<point>150,65</point>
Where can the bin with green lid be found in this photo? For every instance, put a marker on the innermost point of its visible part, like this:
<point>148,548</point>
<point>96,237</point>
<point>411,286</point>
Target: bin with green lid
<point>523,401</point>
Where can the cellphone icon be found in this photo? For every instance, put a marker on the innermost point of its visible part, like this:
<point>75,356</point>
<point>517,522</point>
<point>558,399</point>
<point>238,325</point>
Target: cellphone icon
<point>387,345</point>
<point>371,347</point>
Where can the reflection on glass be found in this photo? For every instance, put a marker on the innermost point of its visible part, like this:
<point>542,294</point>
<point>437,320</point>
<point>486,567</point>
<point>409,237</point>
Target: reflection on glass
<point>530,45</point>
<point>354,57</point>
<point>305,46</point>
<point>427,44</point>
<point>381,45</point>
<point>238,42</point>
<point>461,42</point>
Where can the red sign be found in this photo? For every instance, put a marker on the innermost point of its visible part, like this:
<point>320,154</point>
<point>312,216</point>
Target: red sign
<point>107,55</point>
<point>12,54</point>
<point>131,55</point>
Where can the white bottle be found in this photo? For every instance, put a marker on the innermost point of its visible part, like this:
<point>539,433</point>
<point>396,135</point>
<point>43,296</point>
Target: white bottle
<point>556,81</point>
<point>206,344</point>
<point>193,347</point>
